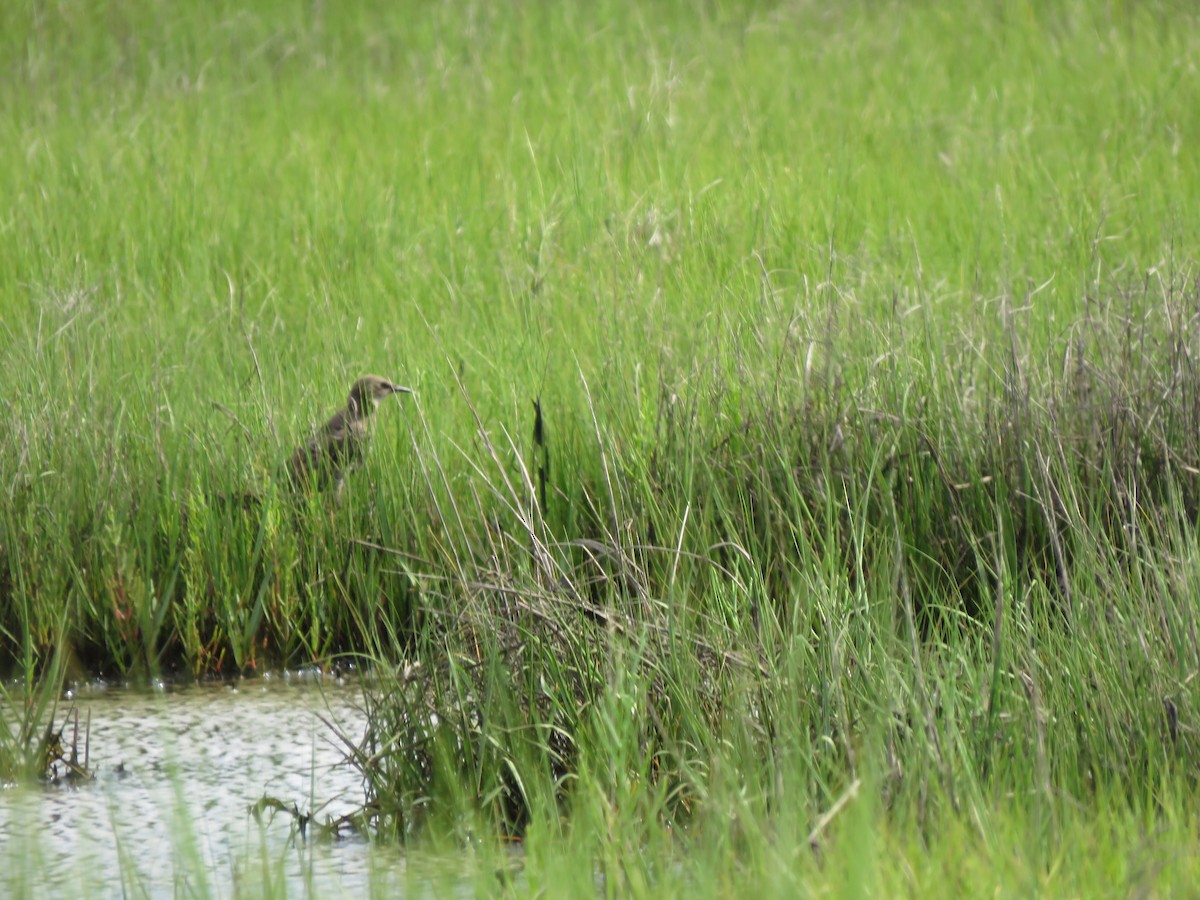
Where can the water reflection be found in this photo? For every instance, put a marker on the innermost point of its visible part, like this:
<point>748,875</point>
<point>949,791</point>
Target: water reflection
<point>176,772</point>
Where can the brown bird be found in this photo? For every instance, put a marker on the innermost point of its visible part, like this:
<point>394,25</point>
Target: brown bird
<point>337,447</point>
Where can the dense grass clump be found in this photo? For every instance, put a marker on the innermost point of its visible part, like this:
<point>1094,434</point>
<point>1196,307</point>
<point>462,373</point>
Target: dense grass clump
<point>805,453</point>
<point>916,576</point>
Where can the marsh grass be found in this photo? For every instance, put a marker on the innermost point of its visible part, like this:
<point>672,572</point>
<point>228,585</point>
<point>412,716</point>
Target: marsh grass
<point>951,622</point>
<point>804,461</point>
<point>661,748</point>
<point>31,741</point>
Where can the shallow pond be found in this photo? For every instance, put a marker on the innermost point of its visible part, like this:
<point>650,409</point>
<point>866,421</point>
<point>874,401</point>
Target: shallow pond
<point>176,772</point>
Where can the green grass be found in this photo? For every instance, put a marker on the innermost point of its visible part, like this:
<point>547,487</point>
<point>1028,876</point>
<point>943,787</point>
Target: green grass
<point>865,340</point>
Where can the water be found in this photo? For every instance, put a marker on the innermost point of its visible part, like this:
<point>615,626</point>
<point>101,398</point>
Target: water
<point>168,811</point>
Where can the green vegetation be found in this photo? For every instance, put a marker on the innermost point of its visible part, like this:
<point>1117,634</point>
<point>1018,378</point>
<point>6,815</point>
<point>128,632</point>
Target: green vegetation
<point>864,337</point>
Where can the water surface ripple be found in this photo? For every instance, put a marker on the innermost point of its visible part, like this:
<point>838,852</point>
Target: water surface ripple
<point>177,770</point>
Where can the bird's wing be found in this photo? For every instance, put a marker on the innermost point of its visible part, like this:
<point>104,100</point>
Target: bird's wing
<point>341,438</point>
<point>334,448</point>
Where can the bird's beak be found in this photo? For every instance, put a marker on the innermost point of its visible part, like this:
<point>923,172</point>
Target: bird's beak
<point>400,389</point>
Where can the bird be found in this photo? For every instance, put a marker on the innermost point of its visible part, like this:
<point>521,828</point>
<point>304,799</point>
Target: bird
<point>337,446</point>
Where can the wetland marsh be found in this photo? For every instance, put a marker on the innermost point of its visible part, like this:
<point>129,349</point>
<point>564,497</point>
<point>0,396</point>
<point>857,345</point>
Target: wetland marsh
<point>799,491</point>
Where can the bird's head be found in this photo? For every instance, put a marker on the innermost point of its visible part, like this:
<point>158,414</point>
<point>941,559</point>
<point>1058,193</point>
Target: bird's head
<point>368,391</point>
